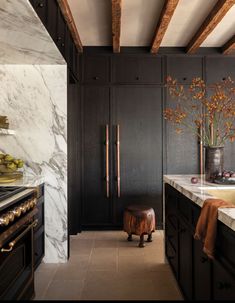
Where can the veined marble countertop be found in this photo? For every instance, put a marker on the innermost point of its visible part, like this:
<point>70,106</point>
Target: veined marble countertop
<point>198,194</point>
<point>26,181</point>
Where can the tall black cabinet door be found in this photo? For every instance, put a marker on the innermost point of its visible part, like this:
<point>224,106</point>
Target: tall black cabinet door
<point>138,112</point>
<point>96,205</point>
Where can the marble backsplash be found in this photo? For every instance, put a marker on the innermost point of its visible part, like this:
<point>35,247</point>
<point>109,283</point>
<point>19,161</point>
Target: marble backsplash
<point>34,97</point>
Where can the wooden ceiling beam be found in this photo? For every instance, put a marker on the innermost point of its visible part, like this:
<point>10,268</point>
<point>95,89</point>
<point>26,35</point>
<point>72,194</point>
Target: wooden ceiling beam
<point>164,20</point>
<point>212,20</point>
<point>229,46</point>
<point>65,9</point>
<point>116,24</point>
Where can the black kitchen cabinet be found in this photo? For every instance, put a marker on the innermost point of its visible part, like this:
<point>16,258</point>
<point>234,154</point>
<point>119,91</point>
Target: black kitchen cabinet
<point>39,232</point>
<point>184,68</point>
<point>219,68</point>
<point>74,156</point>
<point>61,33</point>
<point>185,260</point>
<point>96,206</point>
<point>51,25</point>
<point>137,69</point>
<point>96,69</point>
<point>40,7</point>
<point>202,272</point>
<point>171,230</point>
<point>199,277</point>
<point>223,283</point>
<point>137,112</point>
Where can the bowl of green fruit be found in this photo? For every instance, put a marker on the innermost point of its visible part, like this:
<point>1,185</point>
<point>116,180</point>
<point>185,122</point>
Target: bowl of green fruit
<point>9,164</point>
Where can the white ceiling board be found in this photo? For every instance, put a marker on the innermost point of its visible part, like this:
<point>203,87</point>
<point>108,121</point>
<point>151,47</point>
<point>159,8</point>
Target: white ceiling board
<point>93,21</point>
<point>139,21</point>
<point>186,20</point>
<point>223,31</point>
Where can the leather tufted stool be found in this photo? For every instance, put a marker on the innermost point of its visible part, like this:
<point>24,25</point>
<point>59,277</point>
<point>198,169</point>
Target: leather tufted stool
<point>139,220</point>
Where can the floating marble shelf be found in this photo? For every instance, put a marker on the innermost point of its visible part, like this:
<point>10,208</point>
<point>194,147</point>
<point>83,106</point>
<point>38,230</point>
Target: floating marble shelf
<point>4,131</point>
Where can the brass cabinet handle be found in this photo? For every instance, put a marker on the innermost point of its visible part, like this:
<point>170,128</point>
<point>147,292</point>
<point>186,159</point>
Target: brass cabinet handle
<point>107,159</point>
<point>118,161</point>
<point>13,243</point>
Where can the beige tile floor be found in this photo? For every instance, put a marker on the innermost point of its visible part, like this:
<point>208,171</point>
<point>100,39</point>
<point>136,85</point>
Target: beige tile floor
<point>104,266</point>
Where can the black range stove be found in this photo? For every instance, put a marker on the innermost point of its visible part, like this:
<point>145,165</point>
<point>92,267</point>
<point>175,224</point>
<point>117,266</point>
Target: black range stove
<point>18,219</point>
<point>8,191</point>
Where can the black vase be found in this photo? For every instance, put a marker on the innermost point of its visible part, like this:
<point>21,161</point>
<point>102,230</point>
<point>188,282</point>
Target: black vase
<point>214,162</point>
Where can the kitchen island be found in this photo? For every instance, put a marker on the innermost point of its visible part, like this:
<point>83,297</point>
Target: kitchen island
<point>199,277</point>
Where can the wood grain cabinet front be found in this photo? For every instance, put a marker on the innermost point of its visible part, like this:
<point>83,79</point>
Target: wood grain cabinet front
<point>61,33</point>
<point>40,7</point>
<point>223,283</point>
<point>96,69</point>
<point>137,69</point>
<point>202,272</point>
<point>52,12</point>
<point>219,68</point>
<point>199,277</point>
<point>184,69</point>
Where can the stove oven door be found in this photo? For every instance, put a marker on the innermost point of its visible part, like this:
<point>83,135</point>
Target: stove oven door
<point>16,265</point>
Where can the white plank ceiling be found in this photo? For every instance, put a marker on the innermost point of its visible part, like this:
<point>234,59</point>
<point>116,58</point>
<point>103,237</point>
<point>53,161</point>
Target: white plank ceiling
<point>139,20</point>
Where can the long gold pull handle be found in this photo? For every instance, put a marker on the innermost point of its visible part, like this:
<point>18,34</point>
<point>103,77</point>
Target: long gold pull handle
<point>118,161</point>
<point>13,243</point>
<point>107,159</point>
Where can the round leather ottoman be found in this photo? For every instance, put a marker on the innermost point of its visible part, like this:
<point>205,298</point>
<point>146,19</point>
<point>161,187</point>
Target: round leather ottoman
<point>139,220</point>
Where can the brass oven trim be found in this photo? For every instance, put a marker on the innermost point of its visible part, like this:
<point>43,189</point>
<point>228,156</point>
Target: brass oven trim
<point>13,243</point>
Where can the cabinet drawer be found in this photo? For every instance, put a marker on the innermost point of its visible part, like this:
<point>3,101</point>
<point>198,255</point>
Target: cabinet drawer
<point>39,247</point>
<point>223,284</point>
<point>96,69</point>
<point>52,9</point>
<point>184,69</point>
<point>218,69</point>
<point>137,70</point>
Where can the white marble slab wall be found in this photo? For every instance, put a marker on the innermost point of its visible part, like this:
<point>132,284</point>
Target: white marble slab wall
<point>34,97</point>
<point>23,37</point>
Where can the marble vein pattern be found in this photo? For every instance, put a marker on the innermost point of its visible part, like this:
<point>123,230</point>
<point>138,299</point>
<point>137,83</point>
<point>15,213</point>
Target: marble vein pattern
<point>198,194</point>
<point>34,97</point>
<point>23,37</point>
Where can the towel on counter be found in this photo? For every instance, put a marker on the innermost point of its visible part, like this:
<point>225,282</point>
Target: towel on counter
<point>206,228</point>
